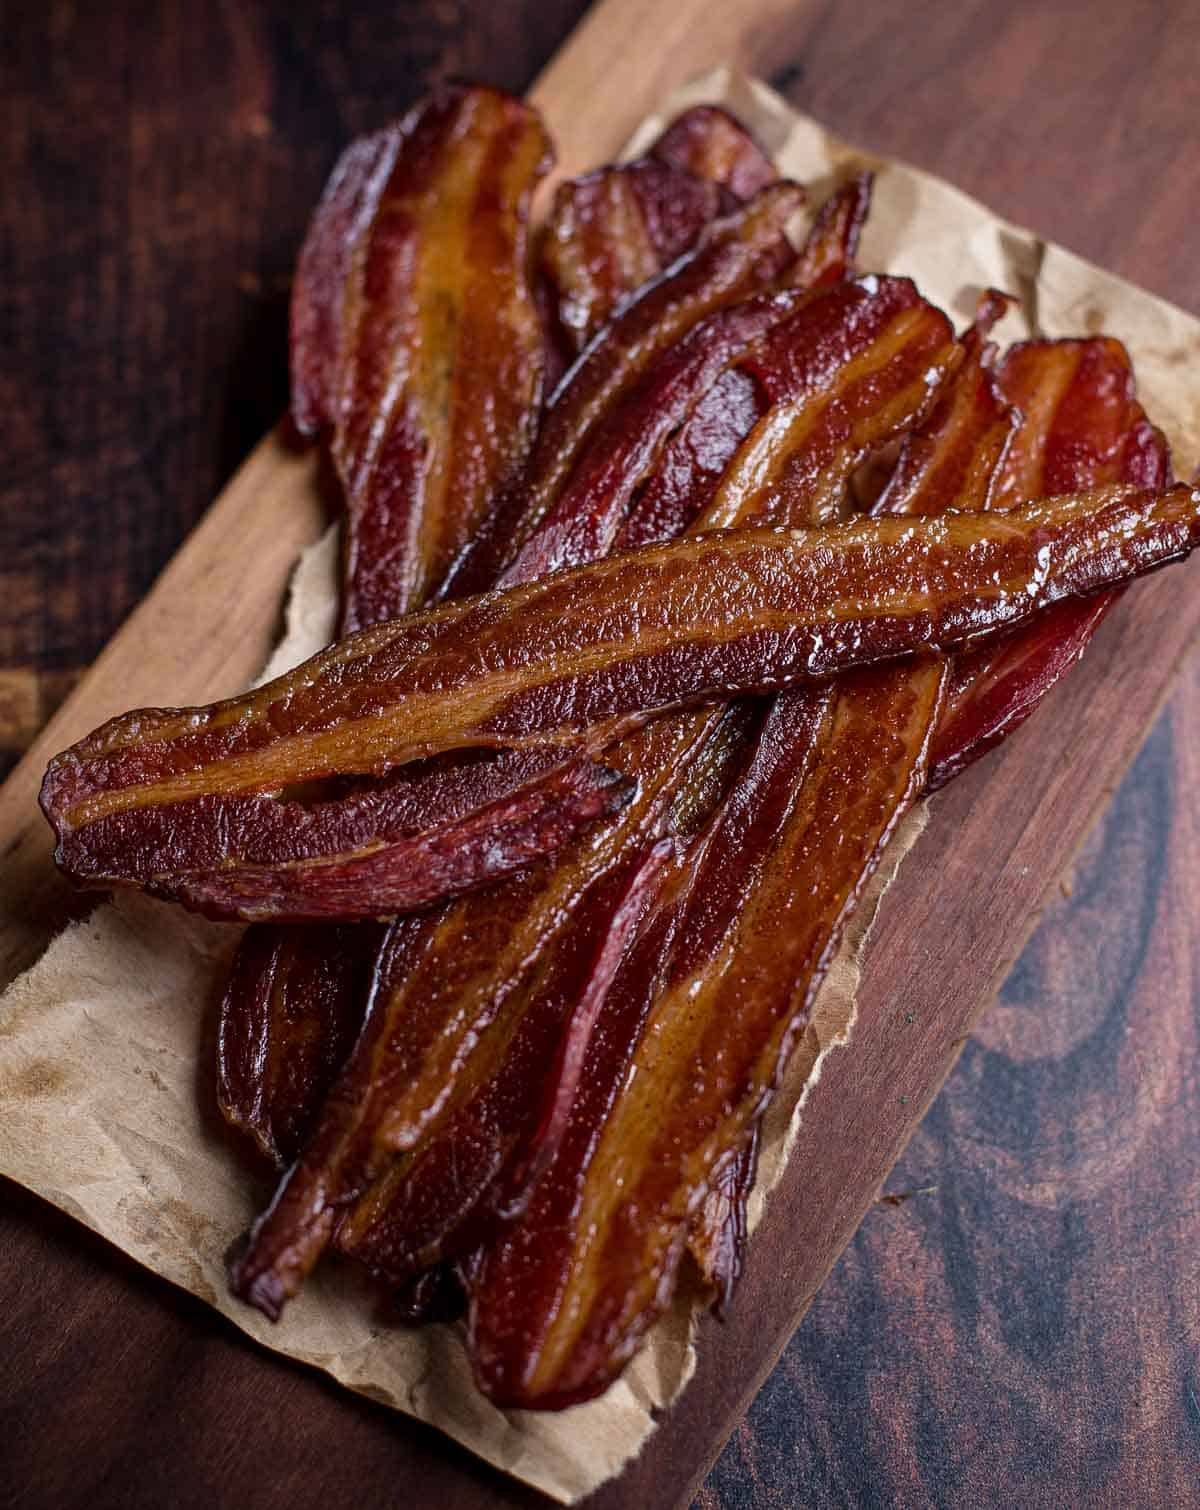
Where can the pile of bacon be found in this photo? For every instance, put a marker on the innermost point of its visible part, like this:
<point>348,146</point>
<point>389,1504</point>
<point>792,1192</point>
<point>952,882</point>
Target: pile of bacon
<point>663,542</point>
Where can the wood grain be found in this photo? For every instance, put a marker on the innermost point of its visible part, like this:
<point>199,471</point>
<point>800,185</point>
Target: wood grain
<point>1026,1332</point>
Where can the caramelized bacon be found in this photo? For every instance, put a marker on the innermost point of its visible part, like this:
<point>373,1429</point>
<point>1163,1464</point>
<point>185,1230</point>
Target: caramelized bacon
<point>568,659</point>
<point>845,419</point>
<point>1082,427</point>
<point>832,243</point>
<point>410,296</point>
<point>710,143</point>
<point>486,1153</point>
<point>562,1297</point>
<point>739,255</point>
<point>611,231</point>
<point>250,746</point>
<point>292,1006</point>
<point>417,338</point>
<point>833,769</point>
<point>696,457</point>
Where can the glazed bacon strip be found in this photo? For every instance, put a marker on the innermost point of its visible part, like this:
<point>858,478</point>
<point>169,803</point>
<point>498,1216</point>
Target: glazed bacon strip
<point>476,1163</point>
<point>765,888</point>
<point>710,143</point>
<point>446,1188</point>
<point>1082,428</point>
<point>341,712</point>
<point>289,1015</point>
<point>612,230</point>
<point>422,1041</point>
<point>952,459</point>
<point>1077,424</point>
<point>743,253</point>
<point>561,1299</point>
<point>569,659</point>
<point>415,337</point>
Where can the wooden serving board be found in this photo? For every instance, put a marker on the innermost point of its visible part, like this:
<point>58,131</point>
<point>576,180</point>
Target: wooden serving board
<point>950,928</point>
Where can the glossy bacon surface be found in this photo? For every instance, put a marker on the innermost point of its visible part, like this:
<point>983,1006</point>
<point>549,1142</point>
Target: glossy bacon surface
<point>696,457</point>
<point>441,1197</point>
<point>611,231</point>
<point>845,418</point>
<point>1082,427</point>
<point>416,339</point>
<point>741,254</point>
<point>434,207</point>
<point>563,1297</point>
<point>833,770</point>
<point>567,659</point>
<point>292,1006</point>
<point>710,143</point>
<point>450,995</point>
<point>832,242</point>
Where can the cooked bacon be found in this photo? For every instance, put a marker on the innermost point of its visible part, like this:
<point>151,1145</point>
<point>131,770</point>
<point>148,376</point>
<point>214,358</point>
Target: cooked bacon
<point>416,340</point>
<point>1082,427</point>
<point>743,253</point>
<point>781,863</point>
<point>845,420</point>
<point>610,231</point>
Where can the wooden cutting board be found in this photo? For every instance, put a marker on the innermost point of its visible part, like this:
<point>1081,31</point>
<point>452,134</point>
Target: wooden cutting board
<point>950,929</point>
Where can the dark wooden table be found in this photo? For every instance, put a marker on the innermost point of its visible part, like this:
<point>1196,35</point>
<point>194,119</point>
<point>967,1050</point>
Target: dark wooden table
<point>1018,1320</point>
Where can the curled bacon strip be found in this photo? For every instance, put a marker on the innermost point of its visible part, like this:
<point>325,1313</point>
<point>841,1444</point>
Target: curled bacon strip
<point>612,230</point>
<point>1082,427</point>
<point>741,254</point>
<point>634,424</point>
<point>416,340</point>
<point>290,1012</point>
<point>434,207</point>
<point>708,142</point>
<point>547,663</point>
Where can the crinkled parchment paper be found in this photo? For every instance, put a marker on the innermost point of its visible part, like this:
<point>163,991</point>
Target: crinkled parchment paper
<point>107,1097</point>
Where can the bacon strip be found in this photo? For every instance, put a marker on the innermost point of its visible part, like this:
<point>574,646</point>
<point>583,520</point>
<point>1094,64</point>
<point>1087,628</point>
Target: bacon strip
<point>1082,428</point>
<point>709,142</point>
<point>611,231</point>
<point>439,367</point>
<point>739,255</point>
<point>290,1012</point>
<point>554,1317</point>
<point>696,458</point>
<point>333,704</point>
<point>570,658</point>
<point>250,1103</point>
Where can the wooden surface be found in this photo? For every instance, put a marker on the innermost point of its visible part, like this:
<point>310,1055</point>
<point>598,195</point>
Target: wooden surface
<point>1025,1333</point>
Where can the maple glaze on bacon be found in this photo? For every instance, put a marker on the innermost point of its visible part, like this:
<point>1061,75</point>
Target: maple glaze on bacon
<point>246,1099</point>
<point>435,208</point>
<point>556,1085</point>
<point>568,659</point>
<point>416,340</point>
<point>742,253</point>
<point>696,457</point>
<point>1082,427</point>
<point>844,421</point>
<point>830,773</point>
<point>709,142</point>
<point>612,230</point>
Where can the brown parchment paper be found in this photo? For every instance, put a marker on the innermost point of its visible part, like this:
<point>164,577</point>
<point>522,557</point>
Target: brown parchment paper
<point>105,1082</point>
